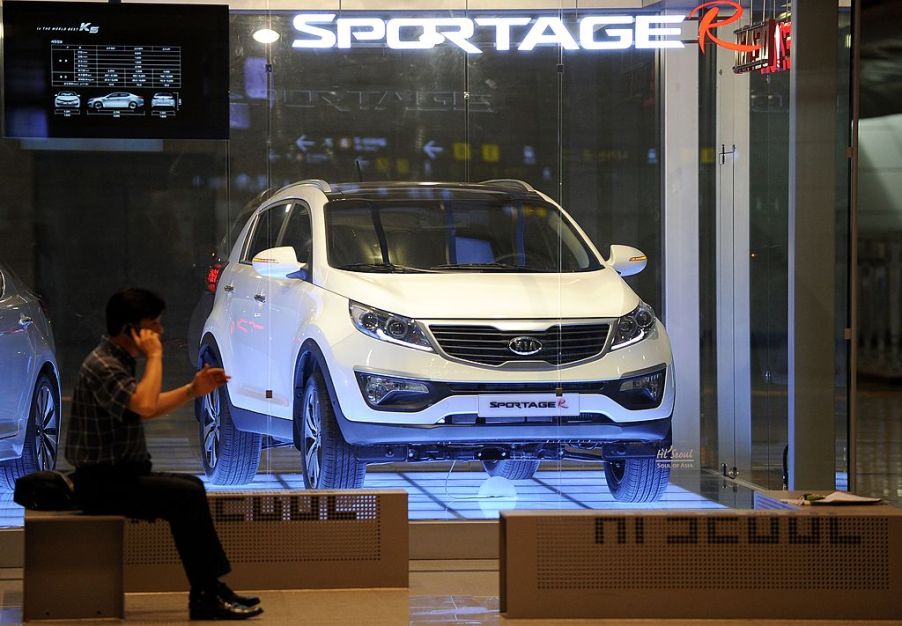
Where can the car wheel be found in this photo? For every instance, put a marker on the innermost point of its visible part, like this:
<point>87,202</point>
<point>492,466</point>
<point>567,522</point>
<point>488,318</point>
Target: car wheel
<point>641,479</point>
<point>41,435</point>
<point>133,105</point>
<point>327,461</point>
<point>230,456</point>
<point>512,469</point>
<point>98,106</point>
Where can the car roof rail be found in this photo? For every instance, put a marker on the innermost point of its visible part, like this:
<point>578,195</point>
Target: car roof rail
<point>510,183</point>
<point>316,182</point>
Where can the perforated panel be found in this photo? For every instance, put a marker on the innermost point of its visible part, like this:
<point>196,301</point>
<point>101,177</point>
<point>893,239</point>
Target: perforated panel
<point>286,540</point>
<point>818,562</point>
<point>272,527</point>
<point>713,552</point>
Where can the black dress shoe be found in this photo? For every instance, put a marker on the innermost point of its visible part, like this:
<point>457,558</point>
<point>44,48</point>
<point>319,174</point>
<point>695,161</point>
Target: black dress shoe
<point>226,592</point>
<point>207,605</point>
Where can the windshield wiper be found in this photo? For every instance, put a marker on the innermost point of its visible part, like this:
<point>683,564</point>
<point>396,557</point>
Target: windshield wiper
<point>499,267</point>
<point>385,267</point>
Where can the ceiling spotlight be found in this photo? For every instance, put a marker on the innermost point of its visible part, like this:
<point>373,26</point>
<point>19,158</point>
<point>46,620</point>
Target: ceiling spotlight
<point>266,35</point>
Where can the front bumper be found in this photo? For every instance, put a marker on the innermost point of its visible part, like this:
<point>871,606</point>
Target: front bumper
<point>454,418</point>
<point>357,433</point>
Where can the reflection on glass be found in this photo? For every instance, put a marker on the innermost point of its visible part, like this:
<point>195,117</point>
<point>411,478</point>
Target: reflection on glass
<point>453,235</point>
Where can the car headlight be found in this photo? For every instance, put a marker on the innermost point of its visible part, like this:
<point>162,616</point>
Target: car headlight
<point>389,327</point>
<point>634,326</point>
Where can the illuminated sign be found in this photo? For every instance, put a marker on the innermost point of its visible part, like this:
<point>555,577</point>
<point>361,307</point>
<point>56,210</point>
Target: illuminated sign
<point>708,22</point>
<point>764,46</point>
<point>773,40</point>
<point>594,32</point>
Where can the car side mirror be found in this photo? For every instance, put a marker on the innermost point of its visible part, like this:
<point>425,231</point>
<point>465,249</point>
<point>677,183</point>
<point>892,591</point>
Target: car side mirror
<point>279,262</point>
<point>627,260</point>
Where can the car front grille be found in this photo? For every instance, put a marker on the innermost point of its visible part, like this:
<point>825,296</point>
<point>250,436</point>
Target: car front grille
<point>561,344</point>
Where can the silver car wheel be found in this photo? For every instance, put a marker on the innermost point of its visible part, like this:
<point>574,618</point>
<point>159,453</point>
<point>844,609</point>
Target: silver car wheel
<point>212,427</point>
<point>46,427</point>
<point>312,437</point>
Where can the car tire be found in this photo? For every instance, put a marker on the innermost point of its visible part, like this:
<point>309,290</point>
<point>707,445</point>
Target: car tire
<point>642,479</point>
<point>133,105</point>
<point>41,435</point>
<point>512,469</point>
<point>229,456</point>
<point>327,461</point>
<point>98,106</point>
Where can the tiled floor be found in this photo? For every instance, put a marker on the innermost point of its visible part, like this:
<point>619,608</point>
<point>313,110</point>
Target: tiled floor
<point>452,593</point>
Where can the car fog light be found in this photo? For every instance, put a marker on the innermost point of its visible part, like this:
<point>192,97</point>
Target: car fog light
<point>380,389</point>
<point>650,385</point>
<point>644,391</point>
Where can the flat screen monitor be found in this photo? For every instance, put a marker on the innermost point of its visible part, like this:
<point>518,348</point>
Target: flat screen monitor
<point>84,69</point>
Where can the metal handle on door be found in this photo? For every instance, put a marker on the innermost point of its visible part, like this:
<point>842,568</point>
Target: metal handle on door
<point>260,297</point>
<point>229,288</point>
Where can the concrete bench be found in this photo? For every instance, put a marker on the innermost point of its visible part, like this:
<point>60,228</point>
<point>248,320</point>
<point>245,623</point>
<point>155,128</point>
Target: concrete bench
<point>73,565</point>
<point>80,565</point>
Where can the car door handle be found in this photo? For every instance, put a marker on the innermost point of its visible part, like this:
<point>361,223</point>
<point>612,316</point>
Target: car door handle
<point>260,297</point>
<point>25,321</point>
<point>229,288</point>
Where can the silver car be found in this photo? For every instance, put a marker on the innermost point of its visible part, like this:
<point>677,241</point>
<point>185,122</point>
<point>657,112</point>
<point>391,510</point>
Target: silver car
<point>164,100</point>
<point>116,100</point>
<point>67,100</point>
<point>29,384</point>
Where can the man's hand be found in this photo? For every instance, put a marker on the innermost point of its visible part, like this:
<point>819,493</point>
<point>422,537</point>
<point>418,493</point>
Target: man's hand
<point>208,379</point>
<point>147,342</point>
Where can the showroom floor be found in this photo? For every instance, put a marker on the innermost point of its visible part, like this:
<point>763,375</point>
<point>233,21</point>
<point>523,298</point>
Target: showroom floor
<point>460,593</point>
<point>448,495</point>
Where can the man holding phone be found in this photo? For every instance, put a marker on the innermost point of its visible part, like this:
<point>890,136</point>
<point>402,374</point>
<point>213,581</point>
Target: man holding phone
<point>106,444</point>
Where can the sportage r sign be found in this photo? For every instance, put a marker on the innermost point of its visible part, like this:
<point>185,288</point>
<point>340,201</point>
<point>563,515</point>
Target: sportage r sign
<point>593,32</point>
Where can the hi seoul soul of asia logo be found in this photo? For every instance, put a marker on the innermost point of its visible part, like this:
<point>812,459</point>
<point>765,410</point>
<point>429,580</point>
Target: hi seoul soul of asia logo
<point>521,33</point>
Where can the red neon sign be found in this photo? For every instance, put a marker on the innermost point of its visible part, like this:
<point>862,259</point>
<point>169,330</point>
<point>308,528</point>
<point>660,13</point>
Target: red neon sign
<point>709,23</point>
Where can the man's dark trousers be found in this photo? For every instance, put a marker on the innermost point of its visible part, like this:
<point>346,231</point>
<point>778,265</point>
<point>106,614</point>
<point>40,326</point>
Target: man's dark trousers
<point>134,491</point>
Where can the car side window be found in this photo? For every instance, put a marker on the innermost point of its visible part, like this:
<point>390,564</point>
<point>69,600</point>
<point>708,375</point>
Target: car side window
<point>266,230</point>
<point>297,232</point>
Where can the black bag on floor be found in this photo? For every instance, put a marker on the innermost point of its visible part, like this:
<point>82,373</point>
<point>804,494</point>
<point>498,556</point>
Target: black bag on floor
<point>45,491</point>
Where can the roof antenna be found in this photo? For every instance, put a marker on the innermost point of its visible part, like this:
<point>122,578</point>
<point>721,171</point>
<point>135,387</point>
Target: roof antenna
<point>359,171</point>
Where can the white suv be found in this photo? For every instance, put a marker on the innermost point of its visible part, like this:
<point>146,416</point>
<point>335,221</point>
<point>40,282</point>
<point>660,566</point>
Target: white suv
<point>373,323</point>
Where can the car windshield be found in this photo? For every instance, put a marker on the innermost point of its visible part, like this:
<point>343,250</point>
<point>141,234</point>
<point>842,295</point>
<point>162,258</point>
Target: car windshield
<point>466,235</point>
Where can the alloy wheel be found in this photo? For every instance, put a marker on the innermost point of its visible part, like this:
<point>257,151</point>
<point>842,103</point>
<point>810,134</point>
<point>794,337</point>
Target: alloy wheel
<point>312,437</point>
<point>46,427</point>
<point>212,418</point>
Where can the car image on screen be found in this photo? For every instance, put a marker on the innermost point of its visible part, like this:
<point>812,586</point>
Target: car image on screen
<point>116,100</point>
<point>67,100</point>
<point>164,100</point>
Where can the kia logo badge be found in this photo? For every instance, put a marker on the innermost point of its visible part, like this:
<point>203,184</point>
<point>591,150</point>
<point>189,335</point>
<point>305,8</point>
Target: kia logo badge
<point>524,346</point>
